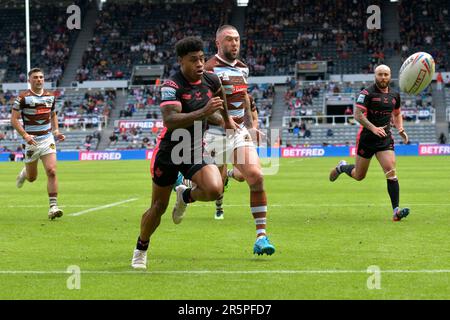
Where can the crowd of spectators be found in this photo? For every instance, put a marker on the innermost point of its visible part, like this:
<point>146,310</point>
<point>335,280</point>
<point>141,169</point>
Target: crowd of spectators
<point>147,35</point>
<point>277,34</point>
<point>425,26</point>
<point>50,41</point>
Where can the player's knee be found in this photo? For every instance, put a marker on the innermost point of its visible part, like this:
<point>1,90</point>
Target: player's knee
<point>391,174</point>
<point>159,207</point>
<point>359,176</point>
<point>214,191</point>
<point>51,172</point>
<point>256,181</point>
<point>239,177</point>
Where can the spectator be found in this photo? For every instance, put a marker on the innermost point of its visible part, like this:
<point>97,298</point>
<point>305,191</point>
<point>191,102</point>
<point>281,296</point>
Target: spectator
<point>307,134</point>
<point>113,138</point>
<point>442,138</point>
<point>439,81</point>
<point>330,132</point>
<point>447,81</point>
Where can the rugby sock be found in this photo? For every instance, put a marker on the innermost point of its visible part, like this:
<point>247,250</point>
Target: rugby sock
<point>394,191</point>
<point>142,245</point>
<point>52,198</point>
<point>258,204</point>
<point>187,196</point>
<point>219,203</point>
<point>347,169</point>
<point>230,173</point>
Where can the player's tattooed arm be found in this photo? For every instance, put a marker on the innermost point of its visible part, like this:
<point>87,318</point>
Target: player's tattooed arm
<point>173,118</point>
<point>361,118</point>
<point>216,119</point>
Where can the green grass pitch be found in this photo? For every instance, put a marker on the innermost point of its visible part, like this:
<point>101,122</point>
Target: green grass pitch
<point>326,236</point>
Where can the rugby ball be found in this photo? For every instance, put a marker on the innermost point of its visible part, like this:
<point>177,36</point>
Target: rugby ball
<point>416,73</point>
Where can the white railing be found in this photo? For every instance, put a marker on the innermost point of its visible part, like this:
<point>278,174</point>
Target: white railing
<point>425,115</point>
<point>408,116</point>
<point>316,120</point>
<point>448,114</point>
<point>81,122</point>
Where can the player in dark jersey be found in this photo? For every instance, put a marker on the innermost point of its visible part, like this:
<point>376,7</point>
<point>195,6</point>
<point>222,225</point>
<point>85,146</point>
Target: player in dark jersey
<point>187,99</point>
<point>376,106</point>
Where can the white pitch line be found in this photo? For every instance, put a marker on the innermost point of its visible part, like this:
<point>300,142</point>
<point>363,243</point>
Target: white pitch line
<point>220,272</point>
<point>102,207</point>
<point>298,204</point>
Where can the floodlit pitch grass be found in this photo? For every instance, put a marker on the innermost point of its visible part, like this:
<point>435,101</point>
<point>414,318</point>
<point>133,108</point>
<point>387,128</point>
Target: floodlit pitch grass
<point>326,236</point>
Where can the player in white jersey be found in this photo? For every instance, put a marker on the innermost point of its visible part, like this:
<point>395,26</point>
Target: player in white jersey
<point>36,108</point>
<point>238,148</point>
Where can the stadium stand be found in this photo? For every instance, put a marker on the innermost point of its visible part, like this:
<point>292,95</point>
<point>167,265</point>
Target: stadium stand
<point>277,34</point>
<point>146,35</point>
<point>81,115</point>
<point>306,120</point>
<point>51,41</point>
<point>425,25</point>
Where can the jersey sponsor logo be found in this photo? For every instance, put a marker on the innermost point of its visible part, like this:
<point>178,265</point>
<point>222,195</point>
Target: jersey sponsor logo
<point>171,83</point>
<point>186,96</point>
<point>52,146</point>
<point>168,93</point>
<point>380,113</point>
<point>209,94</point>
<point>240,88</point>
<point>361,98</point>
<point>385,100</point>
<point>42,110</point>
<point>198,96</point>
<point>376,99</point>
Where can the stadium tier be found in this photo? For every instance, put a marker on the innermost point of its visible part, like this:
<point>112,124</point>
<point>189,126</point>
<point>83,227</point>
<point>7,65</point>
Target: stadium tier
<point>274,37</point>
<point>51,41</point>
<point>425,26</point>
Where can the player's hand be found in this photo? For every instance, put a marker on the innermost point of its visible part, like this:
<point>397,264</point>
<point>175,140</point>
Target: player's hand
<point>58,135</point>
<point>379,131</point>
<point>61,137</point>
<point>404,136</point>
<point>214,104</point>
<point>29,138</point>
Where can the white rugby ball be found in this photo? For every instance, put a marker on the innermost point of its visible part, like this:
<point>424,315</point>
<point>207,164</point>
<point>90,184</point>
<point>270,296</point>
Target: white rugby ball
<point>416,73</point>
